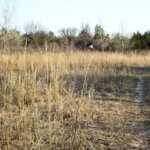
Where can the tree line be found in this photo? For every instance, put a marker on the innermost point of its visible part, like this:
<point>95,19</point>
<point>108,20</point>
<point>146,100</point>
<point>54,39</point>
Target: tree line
<point>35,37</point>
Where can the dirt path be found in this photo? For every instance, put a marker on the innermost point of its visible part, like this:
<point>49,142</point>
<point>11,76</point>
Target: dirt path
<point>139,91</point>
<point>142,101</point>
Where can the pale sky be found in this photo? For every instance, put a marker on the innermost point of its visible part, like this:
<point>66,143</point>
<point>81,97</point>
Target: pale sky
<point>57,14</point>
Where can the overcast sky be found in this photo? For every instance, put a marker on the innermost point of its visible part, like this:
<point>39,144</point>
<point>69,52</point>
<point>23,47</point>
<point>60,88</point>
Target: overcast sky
<point>56,14</point>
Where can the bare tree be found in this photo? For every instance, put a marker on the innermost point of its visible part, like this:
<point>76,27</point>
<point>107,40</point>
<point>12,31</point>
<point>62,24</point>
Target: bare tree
<point>7,13</point>
<point>68,35</point>
<point>32,27</point>
<point>35,35</point>
<point>122,35</point>
<point>119,42</point>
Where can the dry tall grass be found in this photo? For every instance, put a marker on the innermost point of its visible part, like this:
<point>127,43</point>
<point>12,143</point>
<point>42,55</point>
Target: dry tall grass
<point>47,99</point>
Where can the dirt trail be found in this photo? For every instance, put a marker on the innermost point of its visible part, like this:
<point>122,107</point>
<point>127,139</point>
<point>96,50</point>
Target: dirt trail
<point>139,91</point>
<point>142,90</point>
<point>142,101</point>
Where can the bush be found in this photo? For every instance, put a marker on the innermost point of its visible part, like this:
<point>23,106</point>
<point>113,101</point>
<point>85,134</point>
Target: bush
<point>141,41</point>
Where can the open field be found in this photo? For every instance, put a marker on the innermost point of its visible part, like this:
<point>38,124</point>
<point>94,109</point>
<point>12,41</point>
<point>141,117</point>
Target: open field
<point>75,100</point>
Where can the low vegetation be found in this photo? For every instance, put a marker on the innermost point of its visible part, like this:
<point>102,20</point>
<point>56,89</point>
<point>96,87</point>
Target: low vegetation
<point>70,100</point>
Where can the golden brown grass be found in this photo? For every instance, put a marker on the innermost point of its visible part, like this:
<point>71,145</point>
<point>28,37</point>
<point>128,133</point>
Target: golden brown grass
<point>48,100</point>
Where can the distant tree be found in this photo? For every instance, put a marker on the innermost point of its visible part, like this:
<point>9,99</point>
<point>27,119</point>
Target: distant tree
<point>51,37</point>
<point>14,39</point>
<point>100,39</point>
<point>140,41</point>
<point>115,42</point>
<point>125,43</point>
<point>147,39</point>
<point>3,38</point>
<point>136,40</point>
<point>7,15</point>
<point>123,37</point>
<point>40,38</point>
<point>119,42</point>
<point>68,34</point>
<point>34,35</point>
<point>84,38</point>
<point>31,27</point>
<point>29,40</point>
